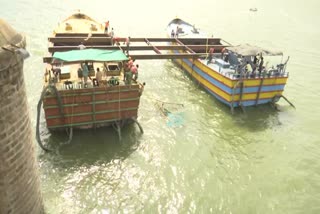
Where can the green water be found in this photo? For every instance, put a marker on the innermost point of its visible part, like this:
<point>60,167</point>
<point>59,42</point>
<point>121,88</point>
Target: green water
<point>208,161</point>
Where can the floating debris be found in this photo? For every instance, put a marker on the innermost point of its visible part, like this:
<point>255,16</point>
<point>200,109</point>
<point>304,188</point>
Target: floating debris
<point>172,111</point>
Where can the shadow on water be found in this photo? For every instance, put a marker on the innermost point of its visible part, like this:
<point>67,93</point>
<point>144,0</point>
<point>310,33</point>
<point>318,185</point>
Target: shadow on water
<point>90,146</point>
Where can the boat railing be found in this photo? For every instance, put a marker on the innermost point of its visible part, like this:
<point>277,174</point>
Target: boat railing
<point>269,74</point>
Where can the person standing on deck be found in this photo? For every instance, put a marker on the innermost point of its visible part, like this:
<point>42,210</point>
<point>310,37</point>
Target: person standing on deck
<point>172,33</point>
<point>106,26</point>
<point>255,63</point>
<point>111,34</point>
<point>211,50</point>
<point>248,69</point>
<point>98,75</point>
<point>177,31</point>
<point>134,70</point>
<point>222,53</point>
<point>127,42</point>
<point>85,73</point>
<point>260,65</point>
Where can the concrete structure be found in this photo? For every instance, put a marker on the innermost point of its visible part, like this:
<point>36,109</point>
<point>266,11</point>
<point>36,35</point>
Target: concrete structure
<point>19,179</point>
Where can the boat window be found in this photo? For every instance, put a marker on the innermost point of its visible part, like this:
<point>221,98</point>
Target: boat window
<point>113,69</point>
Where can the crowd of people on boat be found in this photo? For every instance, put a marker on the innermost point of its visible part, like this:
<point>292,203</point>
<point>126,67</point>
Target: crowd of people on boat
<point>246,66</point>
<point>130,71</point>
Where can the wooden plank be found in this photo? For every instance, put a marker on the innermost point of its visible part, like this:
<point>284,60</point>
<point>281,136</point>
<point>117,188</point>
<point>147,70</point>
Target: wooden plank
<point>112,116</point>
<point>86,99</point>
<point>87,108</point>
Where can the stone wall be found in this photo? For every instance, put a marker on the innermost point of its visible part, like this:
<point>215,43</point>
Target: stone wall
<point>19,179</point>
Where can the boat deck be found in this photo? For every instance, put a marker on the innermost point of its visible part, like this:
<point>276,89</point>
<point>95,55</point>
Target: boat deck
<point>69,78</point>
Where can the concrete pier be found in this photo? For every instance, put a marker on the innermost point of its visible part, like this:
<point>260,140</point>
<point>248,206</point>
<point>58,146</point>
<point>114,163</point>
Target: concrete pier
<point>19,177</point>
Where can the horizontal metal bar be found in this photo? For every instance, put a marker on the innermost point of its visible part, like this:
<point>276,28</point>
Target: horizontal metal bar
<point>167,56</point>
<point>100,39</point>
<point>138,48</point>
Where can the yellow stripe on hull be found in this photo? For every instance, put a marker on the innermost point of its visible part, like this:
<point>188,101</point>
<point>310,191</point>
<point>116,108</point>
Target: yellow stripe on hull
<point>247,83</point>
<point>221,93</point>
<point>231,83</point>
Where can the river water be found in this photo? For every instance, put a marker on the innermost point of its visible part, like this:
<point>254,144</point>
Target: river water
<point>201,159</point>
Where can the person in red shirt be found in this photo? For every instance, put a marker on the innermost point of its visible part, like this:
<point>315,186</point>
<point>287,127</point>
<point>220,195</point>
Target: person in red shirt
<point>134,70</point>
<point>116,40</point>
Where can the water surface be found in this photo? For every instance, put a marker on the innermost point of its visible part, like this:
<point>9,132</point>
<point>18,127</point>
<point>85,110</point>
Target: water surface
<point>208,161</point>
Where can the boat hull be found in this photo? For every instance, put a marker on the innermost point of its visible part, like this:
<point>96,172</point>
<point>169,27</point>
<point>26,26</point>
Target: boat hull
<point>254,91</point>
<point>93,107</point>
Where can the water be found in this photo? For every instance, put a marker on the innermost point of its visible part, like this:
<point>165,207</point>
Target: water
<point>209,161</point>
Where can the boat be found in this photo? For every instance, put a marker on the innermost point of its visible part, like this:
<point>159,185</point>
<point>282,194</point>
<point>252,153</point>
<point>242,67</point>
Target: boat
<point>232,74</point>
<point>70,101</point>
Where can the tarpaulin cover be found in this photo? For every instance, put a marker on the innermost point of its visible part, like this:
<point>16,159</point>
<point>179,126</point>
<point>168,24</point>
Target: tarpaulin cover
<point>90,55</point>
<point>250,50</point>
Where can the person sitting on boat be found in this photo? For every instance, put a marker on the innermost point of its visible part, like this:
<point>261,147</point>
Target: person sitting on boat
<point>210,56</point>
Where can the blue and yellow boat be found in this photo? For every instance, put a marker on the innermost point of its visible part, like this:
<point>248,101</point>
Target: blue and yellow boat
<point>238,76</point>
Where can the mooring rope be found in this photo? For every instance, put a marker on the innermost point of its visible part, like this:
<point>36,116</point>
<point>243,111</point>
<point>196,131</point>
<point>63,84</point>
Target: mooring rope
<point>43,93</point>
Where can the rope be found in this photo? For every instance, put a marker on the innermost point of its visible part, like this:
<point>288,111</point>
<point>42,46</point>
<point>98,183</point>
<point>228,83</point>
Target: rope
<point>207,46</point>
<point>140,127</point>
<point>70,135</point>
<point>71,128</point>
<point>43,93</point>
